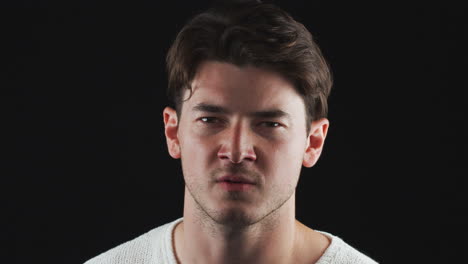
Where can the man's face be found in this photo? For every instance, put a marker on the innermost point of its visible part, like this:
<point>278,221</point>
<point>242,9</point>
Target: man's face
<point>243,125</point>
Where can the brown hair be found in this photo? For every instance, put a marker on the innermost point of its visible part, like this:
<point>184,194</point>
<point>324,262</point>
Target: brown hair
<point>251,33</point>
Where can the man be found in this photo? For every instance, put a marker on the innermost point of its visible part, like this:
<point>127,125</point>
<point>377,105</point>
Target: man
<point>250,89</point>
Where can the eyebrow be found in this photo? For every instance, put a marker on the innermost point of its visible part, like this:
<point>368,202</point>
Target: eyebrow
<point>216,109</point>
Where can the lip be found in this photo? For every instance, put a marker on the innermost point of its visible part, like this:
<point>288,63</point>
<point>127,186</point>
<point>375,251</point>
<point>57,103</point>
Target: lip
<point>235,179</point>
<point>235,183</point>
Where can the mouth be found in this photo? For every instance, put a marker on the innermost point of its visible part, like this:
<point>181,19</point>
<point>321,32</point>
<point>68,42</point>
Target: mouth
<point>235,183</point>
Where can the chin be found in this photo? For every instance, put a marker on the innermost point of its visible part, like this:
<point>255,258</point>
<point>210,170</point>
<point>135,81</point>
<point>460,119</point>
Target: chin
<point>236,218</point>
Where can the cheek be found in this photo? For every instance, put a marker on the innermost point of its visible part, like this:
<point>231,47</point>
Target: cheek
<point>284,160</point>
<point>196,154</point>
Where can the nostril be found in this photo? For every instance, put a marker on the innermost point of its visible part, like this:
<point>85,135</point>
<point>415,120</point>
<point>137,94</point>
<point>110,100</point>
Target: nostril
<point>250,158</point>
<point>223,156</point>
<point>236,156</point>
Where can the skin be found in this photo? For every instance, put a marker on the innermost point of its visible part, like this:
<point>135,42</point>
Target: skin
<point>257,225</point>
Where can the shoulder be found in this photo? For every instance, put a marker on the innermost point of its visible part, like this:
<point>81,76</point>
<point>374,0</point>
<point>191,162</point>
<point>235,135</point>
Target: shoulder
<point>339,252</point>
<point>148,248</point>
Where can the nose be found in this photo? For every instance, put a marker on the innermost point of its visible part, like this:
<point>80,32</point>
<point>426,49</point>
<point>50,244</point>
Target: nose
<point>237,144</point>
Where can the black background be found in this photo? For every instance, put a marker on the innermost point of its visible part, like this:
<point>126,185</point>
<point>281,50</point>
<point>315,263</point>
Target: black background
<point>90,166</point>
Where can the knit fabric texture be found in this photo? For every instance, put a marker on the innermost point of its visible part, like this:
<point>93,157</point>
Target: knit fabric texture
<point>156,247</point>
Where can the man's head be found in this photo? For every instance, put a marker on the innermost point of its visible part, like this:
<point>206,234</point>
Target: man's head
<point>250,91</point>
<point>256,34</point>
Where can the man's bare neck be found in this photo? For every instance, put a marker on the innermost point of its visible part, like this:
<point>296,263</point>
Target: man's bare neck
<point>224,245</point>
<point>279,239</point>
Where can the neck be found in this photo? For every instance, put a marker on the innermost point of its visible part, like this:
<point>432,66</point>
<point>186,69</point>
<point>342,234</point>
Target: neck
<point>277,238</point>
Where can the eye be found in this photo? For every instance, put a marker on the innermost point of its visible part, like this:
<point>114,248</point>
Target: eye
<point>210,120</point>
<point>271,124</point>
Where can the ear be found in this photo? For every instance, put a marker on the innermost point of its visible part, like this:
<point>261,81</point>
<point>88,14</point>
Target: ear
<point>171,127</point>
<point>315,141</point>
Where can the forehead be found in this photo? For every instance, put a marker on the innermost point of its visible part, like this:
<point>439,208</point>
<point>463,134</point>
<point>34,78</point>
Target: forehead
<point>245,88</point>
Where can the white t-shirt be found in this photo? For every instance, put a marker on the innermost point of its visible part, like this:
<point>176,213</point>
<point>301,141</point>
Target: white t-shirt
<point>155,247</point>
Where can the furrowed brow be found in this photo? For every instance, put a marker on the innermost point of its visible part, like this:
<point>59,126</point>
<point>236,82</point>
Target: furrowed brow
<point>274,113</point>
<point>216,109</point>
<point>209,108</point>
